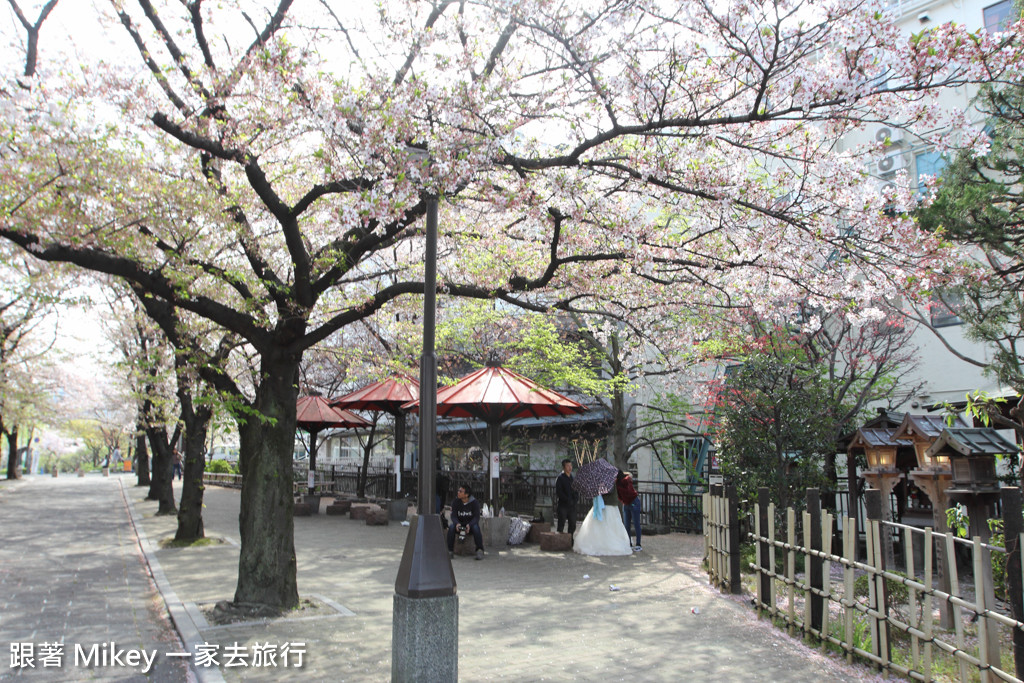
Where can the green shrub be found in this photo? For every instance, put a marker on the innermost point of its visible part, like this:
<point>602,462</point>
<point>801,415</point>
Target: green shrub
<point>222,467</point>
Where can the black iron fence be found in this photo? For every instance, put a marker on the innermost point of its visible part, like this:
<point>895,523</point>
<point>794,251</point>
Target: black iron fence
<point>677,508</point>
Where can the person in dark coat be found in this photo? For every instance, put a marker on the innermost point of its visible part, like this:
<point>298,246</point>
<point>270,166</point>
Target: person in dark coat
<point>465,520</point>
<point>565,498</point>
<point>631,506</point>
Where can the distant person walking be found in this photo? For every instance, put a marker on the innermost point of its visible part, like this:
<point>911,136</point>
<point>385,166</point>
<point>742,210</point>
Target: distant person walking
<point>176,465</point>
<point>565,498</point>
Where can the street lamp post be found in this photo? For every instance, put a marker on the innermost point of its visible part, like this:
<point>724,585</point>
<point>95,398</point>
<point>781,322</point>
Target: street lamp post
<point>425,616</point>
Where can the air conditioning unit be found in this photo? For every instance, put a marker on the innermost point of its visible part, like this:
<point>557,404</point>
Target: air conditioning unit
<point>885,185</point>
<point>891,162</point>
<point>890,133</point>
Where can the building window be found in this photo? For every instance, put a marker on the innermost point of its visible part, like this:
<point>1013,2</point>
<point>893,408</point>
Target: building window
<point>997,16</point>
<point>928,164</point>
<point>945,307</point>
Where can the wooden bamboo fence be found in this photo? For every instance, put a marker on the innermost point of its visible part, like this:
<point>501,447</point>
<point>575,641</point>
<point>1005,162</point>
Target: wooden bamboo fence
<point>811,542</point>
<point>722,538</point>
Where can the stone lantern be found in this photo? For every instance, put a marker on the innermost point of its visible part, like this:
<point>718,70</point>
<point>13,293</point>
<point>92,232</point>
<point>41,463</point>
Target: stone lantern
<point>932,475</point>
<point>880,450</point>
<point>971,453</point>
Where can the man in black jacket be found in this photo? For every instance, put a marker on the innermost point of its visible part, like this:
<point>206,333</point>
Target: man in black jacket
<point>565,498</point>
<point>465,519</point>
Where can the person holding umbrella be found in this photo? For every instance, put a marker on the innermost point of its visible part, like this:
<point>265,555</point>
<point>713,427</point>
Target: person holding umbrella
<point>602,532</point>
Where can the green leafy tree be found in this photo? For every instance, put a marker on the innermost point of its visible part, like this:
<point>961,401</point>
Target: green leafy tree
<point>779,414</point>
<point>980,201</point>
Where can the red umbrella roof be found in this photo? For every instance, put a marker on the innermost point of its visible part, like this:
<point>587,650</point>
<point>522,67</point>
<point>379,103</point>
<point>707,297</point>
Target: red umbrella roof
<point>496,394</point>
<point>314,413</point>
<point>387,396</point>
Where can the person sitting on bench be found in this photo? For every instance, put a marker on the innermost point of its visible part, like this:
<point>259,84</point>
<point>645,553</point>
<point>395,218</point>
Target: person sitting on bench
<point>465,519</point>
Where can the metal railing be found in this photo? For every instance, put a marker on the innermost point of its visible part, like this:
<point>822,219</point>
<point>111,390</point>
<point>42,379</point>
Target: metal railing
<point>679,508</point>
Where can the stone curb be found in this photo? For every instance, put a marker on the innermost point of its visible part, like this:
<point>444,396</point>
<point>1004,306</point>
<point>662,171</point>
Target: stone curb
<point>183,622</point>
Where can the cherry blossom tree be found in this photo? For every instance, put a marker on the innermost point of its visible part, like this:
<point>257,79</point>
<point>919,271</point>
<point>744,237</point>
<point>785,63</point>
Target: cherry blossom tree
<point>265,177</point>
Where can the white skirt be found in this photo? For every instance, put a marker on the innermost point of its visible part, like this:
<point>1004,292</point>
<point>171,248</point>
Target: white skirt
<point>606,536</point>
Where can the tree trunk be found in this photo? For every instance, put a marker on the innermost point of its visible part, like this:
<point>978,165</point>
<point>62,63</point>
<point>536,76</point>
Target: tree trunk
<point>830,500</point>
<point>266,563</point>
<point>367,449</point>
<point>620,431</point>
<point>13,466</point>
<point>190,510</point>
<point>141,454</point>
<point>160,488</point>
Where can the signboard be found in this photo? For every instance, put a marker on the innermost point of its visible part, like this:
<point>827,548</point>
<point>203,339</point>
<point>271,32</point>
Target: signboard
<point>495,464</point>
<point>716,479</point>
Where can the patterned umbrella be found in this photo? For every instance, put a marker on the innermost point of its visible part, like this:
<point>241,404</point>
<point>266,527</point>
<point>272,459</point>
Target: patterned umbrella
<point>386,396</point>
<point>313,414</point>
<point>495,394</point>
<point>595,478</point>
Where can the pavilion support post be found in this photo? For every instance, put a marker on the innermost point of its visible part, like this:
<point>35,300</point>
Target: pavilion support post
<point>494,465</point>
<point>400,448</point>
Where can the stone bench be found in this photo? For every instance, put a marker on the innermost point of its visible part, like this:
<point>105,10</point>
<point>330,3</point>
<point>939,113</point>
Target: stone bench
<point>339,507</point>
<point>376,517</point>
<point>495,532</point>
<point>302,510</point>
<point>553,541</point>
<point>398,510</point>
<point>536,529</point>
<point>360,510</point>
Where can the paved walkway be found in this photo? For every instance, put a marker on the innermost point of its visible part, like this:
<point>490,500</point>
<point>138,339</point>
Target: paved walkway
<point>524,615</point>
<point>72,574</point>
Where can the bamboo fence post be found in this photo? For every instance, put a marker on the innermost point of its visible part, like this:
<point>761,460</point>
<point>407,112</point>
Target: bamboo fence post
<point>713,526</point>
<point>706,514</point>
<point>713,522</point>
<point>732,505</point>
<point>987,599</point>
<point>882,593</point>
<point>954,590</point>
<point>826,542</point>
<point>807,573</point>
<point>791,565</point>
<point>773,583</point>
<point>1012,527</point>
<point>979,599</point>
<point>759,531</point>
<point>929,628</point>
<point>850,553</point>
<point>723,539</point>
<point>914,619</point>
<point>764,509</point>
<point>876,555</point>
<point>814,577</point>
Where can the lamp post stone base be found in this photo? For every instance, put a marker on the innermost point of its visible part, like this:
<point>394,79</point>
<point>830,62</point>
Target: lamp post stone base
<point>424,639</point>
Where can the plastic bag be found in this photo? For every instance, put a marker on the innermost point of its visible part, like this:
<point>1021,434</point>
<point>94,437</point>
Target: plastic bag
<point>517,530</point>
